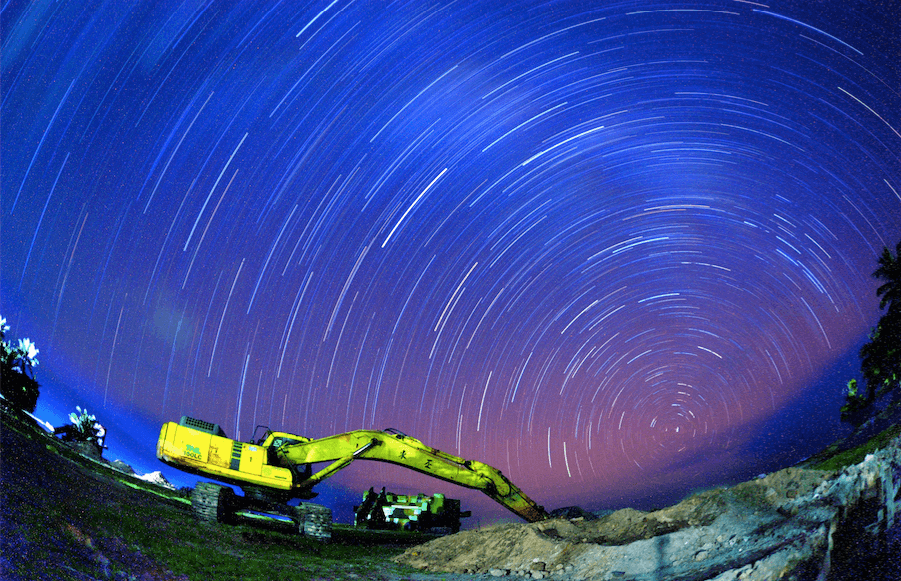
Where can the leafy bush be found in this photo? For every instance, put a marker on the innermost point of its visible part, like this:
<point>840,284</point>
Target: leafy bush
<point>84,428</point>
<point>17,384</point>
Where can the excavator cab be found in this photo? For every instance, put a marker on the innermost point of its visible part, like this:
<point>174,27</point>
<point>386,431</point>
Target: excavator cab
<point>263,436</point>
<point>264,430</point>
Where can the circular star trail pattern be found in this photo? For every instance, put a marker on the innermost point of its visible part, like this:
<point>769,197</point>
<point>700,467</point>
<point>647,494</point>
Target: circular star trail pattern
<point>591,244</point>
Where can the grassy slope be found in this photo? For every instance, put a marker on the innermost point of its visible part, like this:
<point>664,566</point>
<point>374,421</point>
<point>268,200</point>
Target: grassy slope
<point>855,455</point>
<point>65,517</point>
<point>866,439</point>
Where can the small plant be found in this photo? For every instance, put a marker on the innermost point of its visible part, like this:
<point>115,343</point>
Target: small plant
<point>17,384</point>
<point>855,402</point>
<point>84,428</point>
<point>83,421</point>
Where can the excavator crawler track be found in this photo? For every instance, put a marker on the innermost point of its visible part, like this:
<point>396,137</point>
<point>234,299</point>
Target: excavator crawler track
<point>213,503</point>
<point>314,521</point>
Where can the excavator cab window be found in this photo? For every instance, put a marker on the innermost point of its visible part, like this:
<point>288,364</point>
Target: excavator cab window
<point>283,441</point>
<point>260,429</point>
<point>303,471</point>
<point>276,451</point>
<point>395,432</point>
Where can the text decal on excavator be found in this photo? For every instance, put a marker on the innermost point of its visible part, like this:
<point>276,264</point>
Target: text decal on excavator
<point>428,462</point>
<point>192,452</point>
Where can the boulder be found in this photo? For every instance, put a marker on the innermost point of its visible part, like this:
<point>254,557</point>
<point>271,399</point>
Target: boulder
<point>157,478</point>
<point>122,466</point>
<point>572,512</point>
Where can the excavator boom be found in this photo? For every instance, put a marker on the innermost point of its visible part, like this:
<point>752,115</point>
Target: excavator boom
<point>397,448</point>
<point>282,461</point>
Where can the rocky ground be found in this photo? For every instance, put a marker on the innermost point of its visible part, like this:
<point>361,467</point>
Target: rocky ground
<point>63,516</point>
<point>793,524</point>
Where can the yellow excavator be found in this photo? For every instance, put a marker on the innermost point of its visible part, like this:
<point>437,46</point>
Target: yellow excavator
<point>277,467</point>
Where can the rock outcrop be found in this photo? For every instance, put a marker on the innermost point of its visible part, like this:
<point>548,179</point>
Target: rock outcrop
<point>122,466</point>
<point>92,452</point>
<point>793,524</point>
<point>157,478</point>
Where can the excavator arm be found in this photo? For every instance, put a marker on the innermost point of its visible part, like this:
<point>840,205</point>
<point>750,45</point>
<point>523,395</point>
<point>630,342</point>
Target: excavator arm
<point>282,462</point>
<point>398,448</point>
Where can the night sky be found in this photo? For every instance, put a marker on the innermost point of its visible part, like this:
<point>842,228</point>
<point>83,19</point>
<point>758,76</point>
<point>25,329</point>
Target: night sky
<point>619,250</point>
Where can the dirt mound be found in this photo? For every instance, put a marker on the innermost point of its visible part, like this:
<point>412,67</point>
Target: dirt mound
<point>479,551</point>
<point>780,525</point>
<point>502,546</point>
<point>778,488</point>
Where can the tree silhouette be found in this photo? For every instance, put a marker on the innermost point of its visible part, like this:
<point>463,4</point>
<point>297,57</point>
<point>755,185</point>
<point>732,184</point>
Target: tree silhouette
<point>880,358</point>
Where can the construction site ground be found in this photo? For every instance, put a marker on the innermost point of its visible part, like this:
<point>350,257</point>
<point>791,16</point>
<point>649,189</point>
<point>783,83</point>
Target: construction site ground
<point>67,517</point>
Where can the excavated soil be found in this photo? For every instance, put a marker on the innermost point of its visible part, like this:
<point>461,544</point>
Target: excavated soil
<point>486,549</point>
<point>777,527</point>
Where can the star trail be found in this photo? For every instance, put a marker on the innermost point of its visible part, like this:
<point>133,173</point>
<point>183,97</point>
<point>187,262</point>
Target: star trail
<point>598,245</point>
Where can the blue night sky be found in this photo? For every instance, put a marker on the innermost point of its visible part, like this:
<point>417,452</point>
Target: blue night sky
<point>619,250</point>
